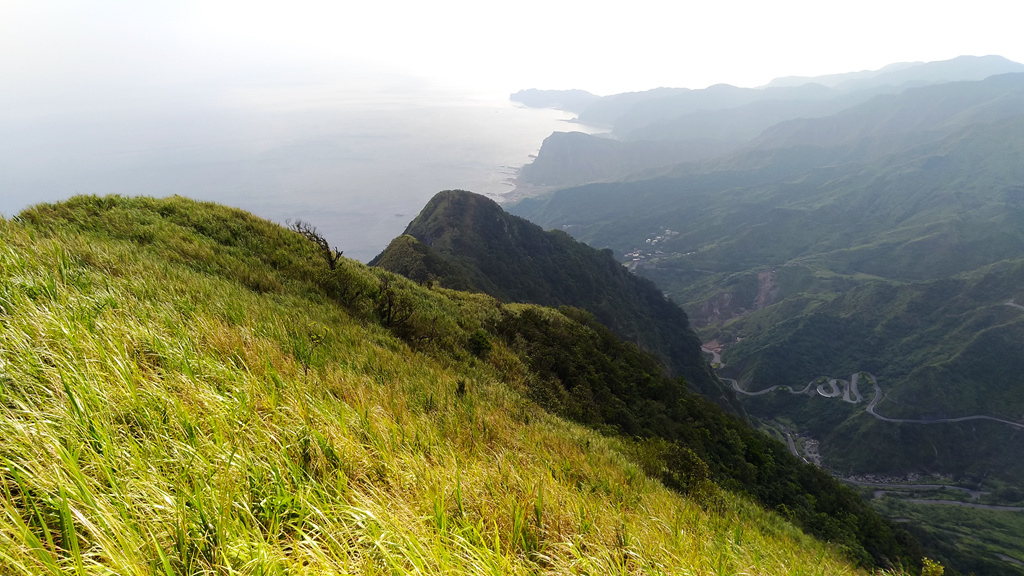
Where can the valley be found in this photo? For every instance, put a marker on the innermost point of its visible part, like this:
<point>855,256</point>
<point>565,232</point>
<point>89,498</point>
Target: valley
<point>921,498</point>
<point>879,236</point>
<point>883,259</point>
<point>848,390</point>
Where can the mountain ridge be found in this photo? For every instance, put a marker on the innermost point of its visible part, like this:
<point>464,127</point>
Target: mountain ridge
<point>732,119</point>
<point>515,260</point>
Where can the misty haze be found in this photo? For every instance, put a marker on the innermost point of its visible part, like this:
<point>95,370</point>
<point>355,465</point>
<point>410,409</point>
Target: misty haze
<point>356,163</point>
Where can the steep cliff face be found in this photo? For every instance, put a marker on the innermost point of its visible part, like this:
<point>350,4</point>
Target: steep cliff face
<point>514,260</point>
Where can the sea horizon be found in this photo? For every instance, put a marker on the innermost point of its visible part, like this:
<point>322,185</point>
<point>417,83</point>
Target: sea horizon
<point>358,162</point>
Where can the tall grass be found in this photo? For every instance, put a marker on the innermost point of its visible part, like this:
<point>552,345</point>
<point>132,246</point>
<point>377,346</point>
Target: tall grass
<point>171,406</point>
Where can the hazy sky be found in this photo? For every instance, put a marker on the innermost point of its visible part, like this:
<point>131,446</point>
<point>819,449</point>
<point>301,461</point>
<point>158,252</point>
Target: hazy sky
<point>352,114</point>
<point>49,48</point>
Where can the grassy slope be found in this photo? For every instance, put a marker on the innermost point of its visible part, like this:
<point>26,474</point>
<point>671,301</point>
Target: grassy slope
<point>176,396</point>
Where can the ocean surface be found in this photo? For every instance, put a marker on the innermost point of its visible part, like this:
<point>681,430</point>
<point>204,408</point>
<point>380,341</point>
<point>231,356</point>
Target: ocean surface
<point>357,164</point>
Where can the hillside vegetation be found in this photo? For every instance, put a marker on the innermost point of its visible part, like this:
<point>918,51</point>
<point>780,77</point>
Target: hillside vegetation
<point>187,389</point>
<point>879,246</point>
<point>888,242</point>
<point>651,130</point>
<point>466,241</point>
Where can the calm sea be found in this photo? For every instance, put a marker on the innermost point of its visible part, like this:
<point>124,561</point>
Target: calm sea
<point>357,165</point>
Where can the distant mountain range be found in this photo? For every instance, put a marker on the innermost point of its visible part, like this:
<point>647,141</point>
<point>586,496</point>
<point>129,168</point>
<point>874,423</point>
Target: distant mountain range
<point>721,119</point>
<point>568,100</point>
<point>861,265</point>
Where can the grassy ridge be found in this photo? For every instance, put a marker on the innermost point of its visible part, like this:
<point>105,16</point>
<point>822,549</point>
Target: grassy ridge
<point>180,393</point>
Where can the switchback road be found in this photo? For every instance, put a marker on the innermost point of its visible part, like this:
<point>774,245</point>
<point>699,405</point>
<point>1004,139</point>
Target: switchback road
<point>851,387</point>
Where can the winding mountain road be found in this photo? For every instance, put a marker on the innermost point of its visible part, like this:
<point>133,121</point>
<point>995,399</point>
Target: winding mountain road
<point>792,446</point>
<point>969,505</point>
<point>851,386</point>
<point>716,358</point>
<point>736,387</point>
<point>834,389</point>
<point>883,487</point>
<point>856,392</point>
<point>851,393</point>
<point>878,397</point>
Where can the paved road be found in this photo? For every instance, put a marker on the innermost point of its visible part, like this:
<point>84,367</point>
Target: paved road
<point>736,387</point>
<point>716,358</point>
<point>1010,559</point>
<point>974,494</point>
<point>1014,304</point>
<point>833,389</point>
<point>878,397</point>
<point>792,446</point>
<point>851,386</point>
<point>970,505</point>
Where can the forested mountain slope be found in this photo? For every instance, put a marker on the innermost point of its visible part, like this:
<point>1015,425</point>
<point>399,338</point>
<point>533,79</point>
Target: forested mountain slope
<point>887,239</point>
<point>648,129</point>
<point>465,235</point>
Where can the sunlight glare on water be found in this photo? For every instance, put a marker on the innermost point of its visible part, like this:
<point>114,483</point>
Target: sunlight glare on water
<point>358,163</point>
